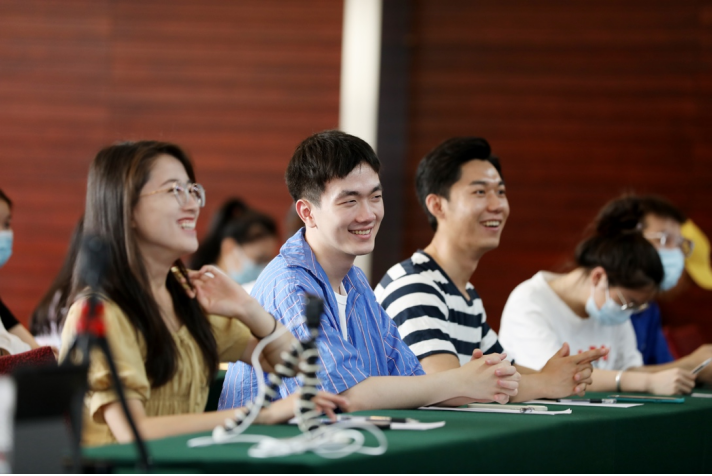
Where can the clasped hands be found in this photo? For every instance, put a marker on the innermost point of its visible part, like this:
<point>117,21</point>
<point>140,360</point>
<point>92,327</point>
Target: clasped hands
<point>563,375</point>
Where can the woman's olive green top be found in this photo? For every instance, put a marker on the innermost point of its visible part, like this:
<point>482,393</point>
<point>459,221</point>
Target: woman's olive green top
<point>186,392</point>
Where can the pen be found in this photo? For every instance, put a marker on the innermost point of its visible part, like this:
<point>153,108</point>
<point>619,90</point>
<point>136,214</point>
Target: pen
<point>586,400</point>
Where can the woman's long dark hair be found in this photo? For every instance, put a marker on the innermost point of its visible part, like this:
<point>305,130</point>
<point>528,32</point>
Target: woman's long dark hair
<point>53,305</point>
<point>233,220</point>
<point>616,243</point>
<point>116,178</point>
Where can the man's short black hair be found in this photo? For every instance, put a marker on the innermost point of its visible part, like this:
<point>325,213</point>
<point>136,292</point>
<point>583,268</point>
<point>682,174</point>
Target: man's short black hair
<point>323,157</point>
<point>659,206</point>
<point>442,167</point>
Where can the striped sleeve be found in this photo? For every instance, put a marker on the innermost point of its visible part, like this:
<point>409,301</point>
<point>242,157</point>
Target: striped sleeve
<point>420,312</point>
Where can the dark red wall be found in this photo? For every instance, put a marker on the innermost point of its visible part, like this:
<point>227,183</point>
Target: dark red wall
<point>239,84</point>
<point>582,101</point>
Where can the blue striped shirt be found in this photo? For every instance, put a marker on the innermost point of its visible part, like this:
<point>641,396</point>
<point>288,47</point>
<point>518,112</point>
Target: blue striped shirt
<point>373,346</point>
<point>431,313</point>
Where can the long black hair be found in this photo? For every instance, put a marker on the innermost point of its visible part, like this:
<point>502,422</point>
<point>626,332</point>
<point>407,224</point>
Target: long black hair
<point>116,178</point>
<point>237,221</point>
<point>616,243</point>
<point>52,308</point>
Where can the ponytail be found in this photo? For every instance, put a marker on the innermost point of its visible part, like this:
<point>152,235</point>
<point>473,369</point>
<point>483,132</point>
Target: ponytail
<point>618,246</point>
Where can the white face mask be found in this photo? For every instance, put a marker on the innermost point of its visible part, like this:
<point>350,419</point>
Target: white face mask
<point>610,313</point>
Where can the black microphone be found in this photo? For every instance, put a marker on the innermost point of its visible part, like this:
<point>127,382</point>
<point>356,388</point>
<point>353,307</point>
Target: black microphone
<point>93,261</point>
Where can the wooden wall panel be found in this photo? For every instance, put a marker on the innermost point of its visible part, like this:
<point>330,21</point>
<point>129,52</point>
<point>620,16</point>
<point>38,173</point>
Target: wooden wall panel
<point>580,101</point>
<point>238,84</point>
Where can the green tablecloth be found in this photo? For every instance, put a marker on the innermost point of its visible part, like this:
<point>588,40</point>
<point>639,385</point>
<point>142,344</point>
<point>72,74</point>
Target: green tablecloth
<point>653,438</point>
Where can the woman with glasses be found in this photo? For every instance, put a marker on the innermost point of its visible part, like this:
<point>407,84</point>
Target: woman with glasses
<point>168,329</point>
<point>617,273</point>
<point>662,225</point>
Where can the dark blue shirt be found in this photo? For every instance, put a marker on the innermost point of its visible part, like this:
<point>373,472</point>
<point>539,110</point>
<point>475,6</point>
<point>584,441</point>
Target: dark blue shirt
<point>649,334</point>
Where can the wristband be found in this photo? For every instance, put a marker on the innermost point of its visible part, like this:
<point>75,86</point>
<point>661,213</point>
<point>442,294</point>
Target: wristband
<point>618,380</point>
<point>270,333</point>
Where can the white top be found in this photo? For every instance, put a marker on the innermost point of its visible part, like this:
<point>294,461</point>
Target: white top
<point>536,323</point>
<point>341,300</point>
<point>11,343</point>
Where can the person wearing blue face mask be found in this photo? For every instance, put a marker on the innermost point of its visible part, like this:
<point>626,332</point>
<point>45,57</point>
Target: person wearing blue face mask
<point>617,273</point>
<point>241,242</point>
<point>14,338</point>
<point>661,224</point>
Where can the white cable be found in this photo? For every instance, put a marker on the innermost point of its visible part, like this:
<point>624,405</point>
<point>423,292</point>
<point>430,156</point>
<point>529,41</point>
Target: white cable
<point>331,441</point>
<point>220,434</point>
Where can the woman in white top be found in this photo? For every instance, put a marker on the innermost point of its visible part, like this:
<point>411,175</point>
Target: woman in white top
<point>617,272</point>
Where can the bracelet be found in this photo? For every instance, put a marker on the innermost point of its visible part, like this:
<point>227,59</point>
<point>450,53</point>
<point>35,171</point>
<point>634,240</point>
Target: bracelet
<point>270,333</point>
<point>618,380</point>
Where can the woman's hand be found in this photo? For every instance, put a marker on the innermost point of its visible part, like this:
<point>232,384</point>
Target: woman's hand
<point>216,292</point>
<point>282,410</point>
<point>671,382</point>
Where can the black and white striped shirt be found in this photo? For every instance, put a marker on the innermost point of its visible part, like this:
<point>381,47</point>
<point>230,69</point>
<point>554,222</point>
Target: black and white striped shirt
<point>432,316</point>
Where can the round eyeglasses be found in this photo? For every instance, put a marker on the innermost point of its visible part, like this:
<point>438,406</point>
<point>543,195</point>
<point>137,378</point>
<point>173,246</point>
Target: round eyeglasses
<point>628,306</point>
<point>183,192</point>
<point>664,239</point>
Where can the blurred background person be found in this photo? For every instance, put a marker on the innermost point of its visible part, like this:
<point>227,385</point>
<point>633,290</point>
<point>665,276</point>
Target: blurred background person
<point>661,224</point>
<point>241,241</point>
<point>618,272</point>
<point>14,338</point>
<point>48,317</point>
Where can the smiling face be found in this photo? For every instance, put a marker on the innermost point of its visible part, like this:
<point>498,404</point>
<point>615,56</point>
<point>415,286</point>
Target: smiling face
<point>165,229</point>
<point>345,223</point>
<point>476,211</point>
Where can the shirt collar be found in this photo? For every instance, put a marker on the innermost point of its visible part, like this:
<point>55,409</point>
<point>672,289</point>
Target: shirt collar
<point>297,253</point>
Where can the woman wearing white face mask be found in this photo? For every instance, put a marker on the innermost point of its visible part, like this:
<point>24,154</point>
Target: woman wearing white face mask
<point>241,242</point>
<point>14,338</point>
<point>617,273</point>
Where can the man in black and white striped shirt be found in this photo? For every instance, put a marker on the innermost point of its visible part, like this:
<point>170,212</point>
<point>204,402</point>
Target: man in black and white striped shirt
<point>432,316</point>
<point>438,312</point>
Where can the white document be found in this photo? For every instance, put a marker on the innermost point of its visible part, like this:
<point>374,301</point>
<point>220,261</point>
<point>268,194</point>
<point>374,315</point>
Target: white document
<point>586,404</point>
<point>701,395</point>
<point>417,426</point>
<point>499,409</point>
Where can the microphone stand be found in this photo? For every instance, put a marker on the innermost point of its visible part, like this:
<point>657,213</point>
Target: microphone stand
<point>91,333</point>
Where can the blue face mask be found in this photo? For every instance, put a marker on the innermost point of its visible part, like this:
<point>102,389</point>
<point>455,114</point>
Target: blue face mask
<point>673,263</point>
<point>249,272</point>
<point>5,246</point>
<point>610,314</point>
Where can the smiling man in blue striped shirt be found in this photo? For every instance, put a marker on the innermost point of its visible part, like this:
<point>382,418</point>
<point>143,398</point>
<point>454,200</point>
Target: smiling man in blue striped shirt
<point>333,178</point>
<point>429,296</point>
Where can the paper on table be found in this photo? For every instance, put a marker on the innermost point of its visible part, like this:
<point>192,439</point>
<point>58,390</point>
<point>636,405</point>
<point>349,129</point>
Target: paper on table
<point>496,409</point>
<point>701,395</point>
<point>586,404</point>
<point>417,426</point>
